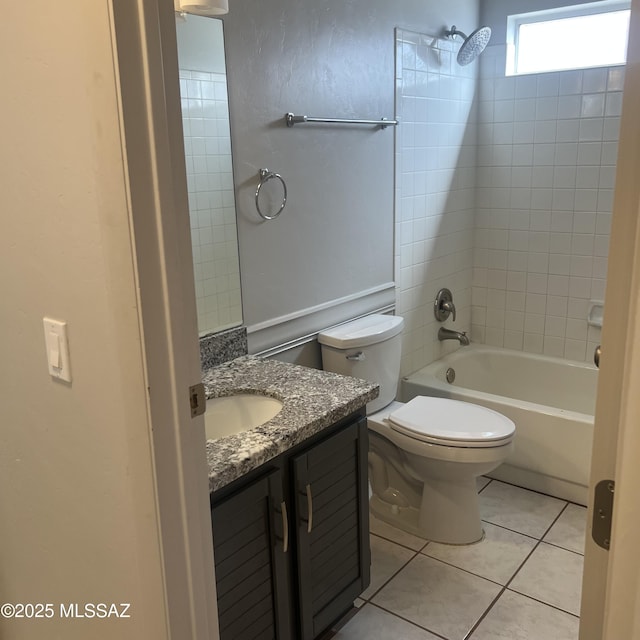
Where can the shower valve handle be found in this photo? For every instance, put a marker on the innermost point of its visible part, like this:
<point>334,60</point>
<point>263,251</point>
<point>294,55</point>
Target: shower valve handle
<point>450,308</point>
<point>443,305</point>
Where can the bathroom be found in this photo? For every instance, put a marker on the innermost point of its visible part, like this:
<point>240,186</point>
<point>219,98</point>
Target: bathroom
<point>336,242</point>
<point>501,188</point>
<point>499,193</point>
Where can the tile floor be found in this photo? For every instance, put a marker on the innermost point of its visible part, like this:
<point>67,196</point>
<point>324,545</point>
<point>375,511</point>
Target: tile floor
<point>522,582</point>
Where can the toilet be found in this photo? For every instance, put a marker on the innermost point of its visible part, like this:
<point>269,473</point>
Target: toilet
<point>424,455</point>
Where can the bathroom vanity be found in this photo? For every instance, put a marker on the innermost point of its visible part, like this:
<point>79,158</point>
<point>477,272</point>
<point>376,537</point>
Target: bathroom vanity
<point>289,502</point>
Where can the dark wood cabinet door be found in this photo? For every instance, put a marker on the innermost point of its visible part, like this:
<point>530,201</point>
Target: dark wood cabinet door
<point>251,562</point>
<point>332,521</point>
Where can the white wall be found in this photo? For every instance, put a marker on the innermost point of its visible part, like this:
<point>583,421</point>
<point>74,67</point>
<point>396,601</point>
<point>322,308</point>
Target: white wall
<point>546,172</point>
<point>335,238</point>
<point>435,190</point>
<point>200,44</point>
<point>78,519</point>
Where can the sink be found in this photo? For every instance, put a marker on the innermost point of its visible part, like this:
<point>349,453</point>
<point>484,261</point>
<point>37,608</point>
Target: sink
<point>233,414</point>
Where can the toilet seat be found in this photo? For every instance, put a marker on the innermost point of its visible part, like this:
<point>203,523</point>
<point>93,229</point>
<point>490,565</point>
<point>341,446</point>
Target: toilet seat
<point>451,423</point>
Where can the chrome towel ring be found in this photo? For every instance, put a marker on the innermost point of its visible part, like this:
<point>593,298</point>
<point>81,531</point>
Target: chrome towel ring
<point>265,176</point>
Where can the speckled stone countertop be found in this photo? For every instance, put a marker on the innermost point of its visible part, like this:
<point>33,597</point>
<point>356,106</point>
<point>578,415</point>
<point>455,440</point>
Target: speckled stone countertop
<point>313,400</point>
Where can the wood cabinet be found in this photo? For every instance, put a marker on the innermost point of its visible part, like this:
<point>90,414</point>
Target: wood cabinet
<point>252,574</point>
<point>291,540</point>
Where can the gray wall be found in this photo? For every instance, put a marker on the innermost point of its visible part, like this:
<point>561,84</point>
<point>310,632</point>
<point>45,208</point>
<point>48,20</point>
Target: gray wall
<point>335,238</point>
<point>494,13</point>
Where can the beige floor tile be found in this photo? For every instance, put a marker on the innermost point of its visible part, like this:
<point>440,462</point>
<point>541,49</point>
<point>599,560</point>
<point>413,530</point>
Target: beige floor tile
<point>569,530</point>
<point>515,617</point>
<point>496,558</point>
<point>386,558</point>
<point>519,509</point>
<point>552,575</point>
<point>482,482</point>
<point>372,623</point>
<point>385,530</point>
<point>438,597</point>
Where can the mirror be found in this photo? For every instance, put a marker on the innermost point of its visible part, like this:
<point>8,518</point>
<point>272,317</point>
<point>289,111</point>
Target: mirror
<point>207,141</point>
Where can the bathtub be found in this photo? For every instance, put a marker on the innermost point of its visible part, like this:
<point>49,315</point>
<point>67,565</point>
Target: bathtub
<point>551,401</point>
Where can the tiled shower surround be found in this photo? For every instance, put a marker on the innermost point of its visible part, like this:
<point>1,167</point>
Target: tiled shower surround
<point>504,190</point>
<point>435,184</point>
<point>207,140</point>
<point>546,170</point>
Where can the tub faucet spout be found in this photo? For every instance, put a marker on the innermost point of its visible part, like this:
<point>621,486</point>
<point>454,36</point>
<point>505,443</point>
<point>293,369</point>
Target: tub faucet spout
<point>448,334</point>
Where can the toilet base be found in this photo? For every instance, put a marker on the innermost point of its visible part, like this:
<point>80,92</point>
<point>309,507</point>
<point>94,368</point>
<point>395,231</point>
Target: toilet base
<point>449,513</point>
<point>403,518</point>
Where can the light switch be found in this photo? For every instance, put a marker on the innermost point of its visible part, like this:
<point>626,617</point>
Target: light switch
<point>57,344</point>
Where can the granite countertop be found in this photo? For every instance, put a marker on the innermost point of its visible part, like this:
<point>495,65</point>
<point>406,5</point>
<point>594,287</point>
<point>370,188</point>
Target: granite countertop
<point>313,400</point>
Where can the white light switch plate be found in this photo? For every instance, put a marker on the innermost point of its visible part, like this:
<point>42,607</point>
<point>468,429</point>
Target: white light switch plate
<point>57,344</point>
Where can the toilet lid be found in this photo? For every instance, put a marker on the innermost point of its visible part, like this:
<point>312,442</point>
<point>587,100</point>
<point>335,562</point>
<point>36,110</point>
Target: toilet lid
<point>444,421</point>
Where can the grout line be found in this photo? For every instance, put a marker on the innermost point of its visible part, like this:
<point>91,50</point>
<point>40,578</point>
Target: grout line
<point>535,547</point>
<point>486,485</point>
<point>559,546</point>
<point>541,493</point>
<point>501,526</point>
<point>404,546</point>
<point>504,588</point>
<point>375,593</point>
<point>471,573</point>
<point>393,613</point>
<point>484,615</point>
<point>553,606</point>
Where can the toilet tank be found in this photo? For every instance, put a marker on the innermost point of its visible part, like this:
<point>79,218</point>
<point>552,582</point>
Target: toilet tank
<point>367,348</point>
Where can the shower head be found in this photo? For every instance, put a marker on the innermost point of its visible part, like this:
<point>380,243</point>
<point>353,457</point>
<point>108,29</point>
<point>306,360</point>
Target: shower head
<point>473,45</point>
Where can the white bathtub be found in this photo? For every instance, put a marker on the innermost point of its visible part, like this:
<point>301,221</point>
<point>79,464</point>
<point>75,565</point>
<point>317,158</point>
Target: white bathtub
<point>550,400</point>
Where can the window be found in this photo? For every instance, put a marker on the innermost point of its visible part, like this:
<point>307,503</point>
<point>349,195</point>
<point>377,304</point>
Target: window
<point>591,35</point>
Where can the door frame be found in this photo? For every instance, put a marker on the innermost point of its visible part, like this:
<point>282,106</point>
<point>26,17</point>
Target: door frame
<point>144,37</point>
<point>611,581</point>
<point>146,67</point>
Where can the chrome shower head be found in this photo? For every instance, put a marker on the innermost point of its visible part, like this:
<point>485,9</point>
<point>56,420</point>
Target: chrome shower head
<point>473,45</point>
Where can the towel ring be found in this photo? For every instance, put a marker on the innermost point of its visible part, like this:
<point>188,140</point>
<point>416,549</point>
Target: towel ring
<point>265,176</point>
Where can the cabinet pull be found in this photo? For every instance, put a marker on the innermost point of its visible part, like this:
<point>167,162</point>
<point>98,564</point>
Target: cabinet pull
<point>309,509</point>
<point>285,527</point>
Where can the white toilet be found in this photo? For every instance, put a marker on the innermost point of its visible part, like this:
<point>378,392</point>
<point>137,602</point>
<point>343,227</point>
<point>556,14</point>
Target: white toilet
<point>425,455</point>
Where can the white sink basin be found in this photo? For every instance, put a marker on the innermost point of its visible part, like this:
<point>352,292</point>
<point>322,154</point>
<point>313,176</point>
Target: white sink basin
<point>233,414</point>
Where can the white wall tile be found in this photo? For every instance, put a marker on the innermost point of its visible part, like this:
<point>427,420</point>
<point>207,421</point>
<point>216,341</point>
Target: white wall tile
<point>615,81</point>
<point>570,82</point>
<point>594,80</point>
<point>613,105</point>
<point>437,179</point>
<point>593,105</point>
<point>526,86</point>
<point>569,107</point>
<point>555,196</point>
<point>533,343</point>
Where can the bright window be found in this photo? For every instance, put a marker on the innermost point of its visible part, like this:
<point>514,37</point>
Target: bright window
<point>577,37</point>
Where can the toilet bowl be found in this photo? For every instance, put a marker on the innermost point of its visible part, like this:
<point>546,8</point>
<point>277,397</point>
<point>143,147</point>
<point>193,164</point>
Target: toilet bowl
<point>436,497</point>
<point>425,455</point>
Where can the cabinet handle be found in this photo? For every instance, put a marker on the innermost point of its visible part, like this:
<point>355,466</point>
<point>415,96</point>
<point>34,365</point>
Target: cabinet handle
<point>309,509</point>
<point>285,527</point>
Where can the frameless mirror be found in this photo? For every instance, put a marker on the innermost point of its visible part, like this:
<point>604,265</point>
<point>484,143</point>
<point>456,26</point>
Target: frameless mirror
<point>207,142</point>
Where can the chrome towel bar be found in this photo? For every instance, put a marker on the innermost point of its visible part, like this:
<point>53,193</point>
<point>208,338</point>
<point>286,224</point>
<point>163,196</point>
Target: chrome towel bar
<point>383,123</point>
